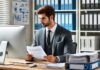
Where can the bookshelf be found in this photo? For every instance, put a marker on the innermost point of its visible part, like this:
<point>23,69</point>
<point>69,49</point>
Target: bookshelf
<point>89,13</point>
<point>74,10</point>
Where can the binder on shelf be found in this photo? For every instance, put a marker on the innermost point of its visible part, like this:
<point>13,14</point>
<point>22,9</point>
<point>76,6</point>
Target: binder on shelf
<point>63,4</point>
<point>66,20</point>
<point>86,21</point>
<point>49,2</point>
<point>82,42</point>
<point>74,38</point>
<point>56,4</point>
<point>38,24</point>
<point>98,21</point>
<point>90,21</point>
<point>63,20</point>
<point>41,3</point>
<point>59,19</point>
<point>82,20</point>
<point>83,4</point>
<point>99,4</point>
<point>36,21</point>
<point>96,4</point>
<point>73,4</point>
<point>74,21</point>
<point>66,5</point>
<point>59,4</point>
<point>45,2</point>
<point>88,4</point>
<point>92,4</point>
<point>37,4</point>
<point>70,4</point>
<point>56,17</point>
<point>70,23</point>
<point>95,21</point>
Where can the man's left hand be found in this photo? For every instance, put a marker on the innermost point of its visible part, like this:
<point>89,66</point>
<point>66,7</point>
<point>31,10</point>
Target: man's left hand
<point>51,58</point>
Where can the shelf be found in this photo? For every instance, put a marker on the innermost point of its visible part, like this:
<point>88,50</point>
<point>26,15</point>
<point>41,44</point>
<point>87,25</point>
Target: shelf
<point>92,10</point>
<point>65,10</point>
<point>90,31</point>
<point>62,10</point>
<point>73,30</point>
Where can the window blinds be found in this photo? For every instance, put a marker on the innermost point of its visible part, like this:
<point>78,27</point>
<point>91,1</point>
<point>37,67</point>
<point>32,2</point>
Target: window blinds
<point>4,12</point>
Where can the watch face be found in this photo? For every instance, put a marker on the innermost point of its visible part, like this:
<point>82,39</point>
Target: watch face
<point>1,53</point>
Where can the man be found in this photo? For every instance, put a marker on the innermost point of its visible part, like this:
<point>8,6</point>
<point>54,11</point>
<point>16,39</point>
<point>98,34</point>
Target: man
<point>60,42</point>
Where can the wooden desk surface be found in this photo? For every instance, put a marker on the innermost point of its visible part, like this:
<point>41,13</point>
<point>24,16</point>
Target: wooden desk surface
<point>11,65</point>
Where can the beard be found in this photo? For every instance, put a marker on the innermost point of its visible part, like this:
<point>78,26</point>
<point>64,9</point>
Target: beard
<point>46,24</point>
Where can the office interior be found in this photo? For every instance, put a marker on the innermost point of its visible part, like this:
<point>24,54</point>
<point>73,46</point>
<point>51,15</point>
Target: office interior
<point>81,17</point>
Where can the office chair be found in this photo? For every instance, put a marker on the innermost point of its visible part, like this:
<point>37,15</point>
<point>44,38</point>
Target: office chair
<point>74,46</point>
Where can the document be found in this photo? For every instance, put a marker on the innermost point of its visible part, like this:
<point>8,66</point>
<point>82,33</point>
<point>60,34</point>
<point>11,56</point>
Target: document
<point>36,51</point>
<point>55,65</point>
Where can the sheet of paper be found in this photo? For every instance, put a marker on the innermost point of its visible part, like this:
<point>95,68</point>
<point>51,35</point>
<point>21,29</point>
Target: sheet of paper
<point>85,53</point>
<point>36,52</point>
<point>55,65</point>
<point>21,62</point>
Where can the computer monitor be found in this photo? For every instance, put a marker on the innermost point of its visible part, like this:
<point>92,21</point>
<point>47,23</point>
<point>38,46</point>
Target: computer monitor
<point>15,35</point>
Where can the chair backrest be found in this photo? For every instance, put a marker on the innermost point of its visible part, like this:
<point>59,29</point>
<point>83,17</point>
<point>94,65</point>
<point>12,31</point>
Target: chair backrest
<point>74,46</point>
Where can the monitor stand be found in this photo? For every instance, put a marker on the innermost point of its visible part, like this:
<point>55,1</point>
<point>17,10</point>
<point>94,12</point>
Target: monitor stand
<point>3,46</point>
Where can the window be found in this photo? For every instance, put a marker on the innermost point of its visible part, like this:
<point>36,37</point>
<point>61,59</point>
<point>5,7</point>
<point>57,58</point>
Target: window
<point>4,12</point>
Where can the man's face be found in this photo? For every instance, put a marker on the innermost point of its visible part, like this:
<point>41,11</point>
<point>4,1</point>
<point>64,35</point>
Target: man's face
<point>44,20</point>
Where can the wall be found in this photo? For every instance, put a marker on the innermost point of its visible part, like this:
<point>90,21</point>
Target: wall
<point>28,26</point>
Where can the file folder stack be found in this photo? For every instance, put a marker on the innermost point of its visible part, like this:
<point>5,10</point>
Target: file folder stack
<point>89,43</point>
<point>66,20</point>
<point>90,4</point>
<point>57,4</point>
<point>83,61</point>
<point>90,20</point>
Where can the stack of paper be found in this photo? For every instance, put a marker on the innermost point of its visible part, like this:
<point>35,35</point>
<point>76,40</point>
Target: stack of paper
<point>83,57</point>
<point>55,65</point>
<point>83,61</point>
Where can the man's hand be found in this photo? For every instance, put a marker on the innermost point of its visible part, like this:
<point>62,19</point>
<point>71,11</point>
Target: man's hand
<point>29,57</point>
<point>50,58</point>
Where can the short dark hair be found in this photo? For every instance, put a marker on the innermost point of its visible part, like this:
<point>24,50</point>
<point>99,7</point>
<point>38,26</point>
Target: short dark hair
<point>47,10</point>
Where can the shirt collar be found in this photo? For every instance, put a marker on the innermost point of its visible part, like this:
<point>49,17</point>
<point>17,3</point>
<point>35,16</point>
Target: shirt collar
<point>53,28</point>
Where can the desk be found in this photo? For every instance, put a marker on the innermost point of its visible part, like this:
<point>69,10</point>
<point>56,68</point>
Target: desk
<point>41,65</point>
<point>9,65</point>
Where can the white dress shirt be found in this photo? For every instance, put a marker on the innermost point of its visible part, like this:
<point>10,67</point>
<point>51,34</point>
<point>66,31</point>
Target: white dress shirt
<point>52,31</point>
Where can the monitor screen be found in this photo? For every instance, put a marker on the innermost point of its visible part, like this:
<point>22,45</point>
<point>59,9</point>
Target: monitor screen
<point>15,35</point>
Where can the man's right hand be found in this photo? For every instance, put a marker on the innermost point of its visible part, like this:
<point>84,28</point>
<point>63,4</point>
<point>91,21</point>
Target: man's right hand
<point>29,57</point>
